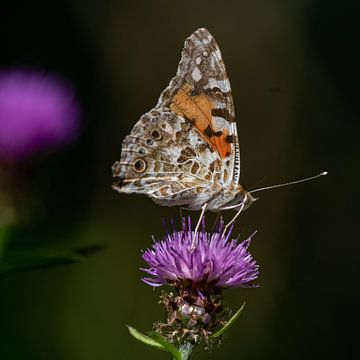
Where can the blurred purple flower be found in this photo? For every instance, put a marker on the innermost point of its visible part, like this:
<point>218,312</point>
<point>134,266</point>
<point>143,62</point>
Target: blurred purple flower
<point>38,113</point>
<point>215,262</point>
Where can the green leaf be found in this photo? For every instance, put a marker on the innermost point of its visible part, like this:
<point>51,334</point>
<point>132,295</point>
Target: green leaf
<point>229,323</point>
<point>157,341</point>
<point>30,259</point>
<point>145,339</point>
<point>167,345</point>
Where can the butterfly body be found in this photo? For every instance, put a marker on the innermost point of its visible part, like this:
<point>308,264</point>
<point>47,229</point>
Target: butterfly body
<point>185,151</point>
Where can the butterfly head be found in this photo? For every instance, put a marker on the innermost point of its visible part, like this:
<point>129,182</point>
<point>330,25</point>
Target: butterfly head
<point>239,197</point>
<point>244,198</point>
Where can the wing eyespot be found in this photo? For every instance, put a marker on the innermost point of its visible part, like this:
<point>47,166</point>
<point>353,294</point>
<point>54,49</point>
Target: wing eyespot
<point>155,134</point>
<point>139,165</point>
<point>141,151</point>
<point>149,142</point>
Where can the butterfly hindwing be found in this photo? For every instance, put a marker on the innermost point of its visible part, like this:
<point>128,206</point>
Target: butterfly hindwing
<point>201,93</point>
<point>165,158</point>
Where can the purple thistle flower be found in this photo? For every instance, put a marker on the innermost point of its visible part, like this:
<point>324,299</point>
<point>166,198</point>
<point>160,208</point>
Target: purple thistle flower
<point>215,261</point>
<point>37,113</point>
<point>198,274</point>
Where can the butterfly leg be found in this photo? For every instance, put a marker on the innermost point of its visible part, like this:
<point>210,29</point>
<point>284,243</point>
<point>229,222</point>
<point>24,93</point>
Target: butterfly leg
<point>203,209</point>
<point>233,219</point>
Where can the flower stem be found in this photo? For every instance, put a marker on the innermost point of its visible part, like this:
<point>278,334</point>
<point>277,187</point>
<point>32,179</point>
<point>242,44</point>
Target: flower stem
<point>186,350</point>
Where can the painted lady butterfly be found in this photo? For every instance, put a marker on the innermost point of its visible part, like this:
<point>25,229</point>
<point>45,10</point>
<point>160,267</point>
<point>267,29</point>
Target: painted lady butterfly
<point>185,151</point>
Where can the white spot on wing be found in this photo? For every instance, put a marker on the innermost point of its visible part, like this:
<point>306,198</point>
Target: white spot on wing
<point>193,139</point>
<point>196,74</point>
<point>196,42</point>
<point>220,105</point>
<point>205,53</point>
<point>206,40</point>
<point>223,85</point>
<point>217,54</point>
<point>173,152</point>
<point>219,122</point>
<point>198,60</point>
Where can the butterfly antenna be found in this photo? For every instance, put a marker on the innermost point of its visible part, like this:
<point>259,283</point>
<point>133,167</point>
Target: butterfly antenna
<point>289,183</point>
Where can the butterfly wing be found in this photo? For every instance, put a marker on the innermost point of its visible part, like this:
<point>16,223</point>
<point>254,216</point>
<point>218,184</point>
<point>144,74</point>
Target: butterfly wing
<point>185,150</point>
<point>201,94</point>
<point>165,158</point>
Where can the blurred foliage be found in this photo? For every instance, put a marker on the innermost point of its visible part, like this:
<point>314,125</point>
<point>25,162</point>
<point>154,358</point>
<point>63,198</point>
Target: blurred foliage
<point>34,257</point>
<point>294,72</point>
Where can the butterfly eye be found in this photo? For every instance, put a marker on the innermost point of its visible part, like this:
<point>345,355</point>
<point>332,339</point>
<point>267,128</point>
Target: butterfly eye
<point>139,165</point>
<point>155,134</point>
<point>141,151</point>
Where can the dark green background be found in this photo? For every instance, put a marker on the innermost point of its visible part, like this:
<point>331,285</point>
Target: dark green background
<point>294,70</point>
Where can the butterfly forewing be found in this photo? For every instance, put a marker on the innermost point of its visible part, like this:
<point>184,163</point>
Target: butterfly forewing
<point>201,93</point>
<point>185,151</point>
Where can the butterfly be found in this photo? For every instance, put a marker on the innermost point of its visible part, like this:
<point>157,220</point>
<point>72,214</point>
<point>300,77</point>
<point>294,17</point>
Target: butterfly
<point>185,151</point>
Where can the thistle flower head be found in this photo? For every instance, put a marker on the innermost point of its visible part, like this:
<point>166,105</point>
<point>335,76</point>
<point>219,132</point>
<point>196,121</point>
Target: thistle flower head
<point>198,266</point>
<point>37,113</point>
<point>216,261</point>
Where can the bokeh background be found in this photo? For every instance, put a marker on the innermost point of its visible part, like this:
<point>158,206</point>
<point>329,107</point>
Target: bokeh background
<point>294,70</point>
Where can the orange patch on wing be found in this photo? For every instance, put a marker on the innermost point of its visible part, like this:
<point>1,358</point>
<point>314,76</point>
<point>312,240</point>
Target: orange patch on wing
<point>224,148</point>
<point>197,109</point>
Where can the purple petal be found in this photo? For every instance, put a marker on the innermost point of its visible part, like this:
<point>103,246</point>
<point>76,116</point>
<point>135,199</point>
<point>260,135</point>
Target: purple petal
<point>221,262</point>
